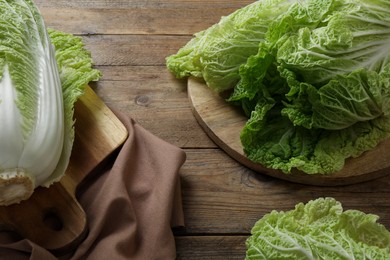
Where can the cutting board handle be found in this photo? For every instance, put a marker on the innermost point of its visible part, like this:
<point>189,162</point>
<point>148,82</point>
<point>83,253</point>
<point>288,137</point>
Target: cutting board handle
<point>57,224</point>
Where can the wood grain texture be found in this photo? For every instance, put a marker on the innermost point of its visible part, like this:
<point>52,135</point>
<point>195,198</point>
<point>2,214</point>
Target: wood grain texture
<point>135,17</point>
<point>126,4</point>
<point>156,100</point>
<point>52,217</point>
<point>223,123</point>
<point>132,50</point>
<point>211,247</point>
<point>133,21</point>
<point>220,196</point>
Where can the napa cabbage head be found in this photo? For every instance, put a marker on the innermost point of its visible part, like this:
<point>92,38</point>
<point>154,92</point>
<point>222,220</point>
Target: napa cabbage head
<point>317,89</point>
<point>39,82</point>
<point>319,229</point>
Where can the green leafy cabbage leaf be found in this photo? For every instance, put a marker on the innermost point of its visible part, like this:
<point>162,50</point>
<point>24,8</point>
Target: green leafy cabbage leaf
<point>319,229</point>
<point>216,54</point>
<point>317,91</point>
<point>75,66</point>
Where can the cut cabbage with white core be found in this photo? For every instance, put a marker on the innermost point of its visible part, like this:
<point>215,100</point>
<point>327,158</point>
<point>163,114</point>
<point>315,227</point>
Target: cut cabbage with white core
<point>42,74</point>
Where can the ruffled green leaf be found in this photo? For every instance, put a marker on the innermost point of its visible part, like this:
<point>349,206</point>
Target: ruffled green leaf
<point>319,229</point>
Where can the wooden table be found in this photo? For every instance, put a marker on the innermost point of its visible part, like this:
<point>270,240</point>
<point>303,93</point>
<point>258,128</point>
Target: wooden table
<point>129,40</point>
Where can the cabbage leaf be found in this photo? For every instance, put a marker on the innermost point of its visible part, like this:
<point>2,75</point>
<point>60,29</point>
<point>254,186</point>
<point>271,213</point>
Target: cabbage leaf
<point>216,54</point>
<point>319,229</point>
<point>75,66</point>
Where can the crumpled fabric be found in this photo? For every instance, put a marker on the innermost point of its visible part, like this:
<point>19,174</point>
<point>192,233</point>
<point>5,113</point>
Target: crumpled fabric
<point>132,205</point>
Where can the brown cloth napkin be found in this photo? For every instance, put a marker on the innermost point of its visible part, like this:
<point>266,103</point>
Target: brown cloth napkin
<point>131,205</point>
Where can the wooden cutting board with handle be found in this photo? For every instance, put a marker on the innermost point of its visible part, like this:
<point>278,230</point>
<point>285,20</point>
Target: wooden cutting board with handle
<point>52,217</point>
<point>223,123</point>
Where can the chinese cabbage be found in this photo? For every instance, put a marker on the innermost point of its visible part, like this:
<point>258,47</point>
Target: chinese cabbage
<point>37,95</point>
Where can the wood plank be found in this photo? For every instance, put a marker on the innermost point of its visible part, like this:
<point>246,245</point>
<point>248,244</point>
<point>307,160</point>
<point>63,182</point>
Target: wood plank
<point>157,101</point>
<point>126,4</point>
<point>133,50</point>
<point>132,21</point>
<point>210,247</point>
<point>222,196</point>
<point>135,17</point>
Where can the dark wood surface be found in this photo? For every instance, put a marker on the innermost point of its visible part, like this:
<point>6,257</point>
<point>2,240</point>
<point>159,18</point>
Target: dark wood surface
<point>129,41</point>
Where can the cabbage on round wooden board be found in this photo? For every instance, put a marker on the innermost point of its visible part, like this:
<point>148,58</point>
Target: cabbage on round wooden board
<point>313,78</point>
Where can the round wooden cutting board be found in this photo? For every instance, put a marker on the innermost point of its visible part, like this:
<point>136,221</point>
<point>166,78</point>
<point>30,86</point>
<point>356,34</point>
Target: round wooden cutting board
<point>223,123</point>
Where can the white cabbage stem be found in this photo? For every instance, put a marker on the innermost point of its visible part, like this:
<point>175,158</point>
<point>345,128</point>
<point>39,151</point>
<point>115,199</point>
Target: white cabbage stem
<point>31,111</point>
<point>28,160</point>
<point>15,186</point>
